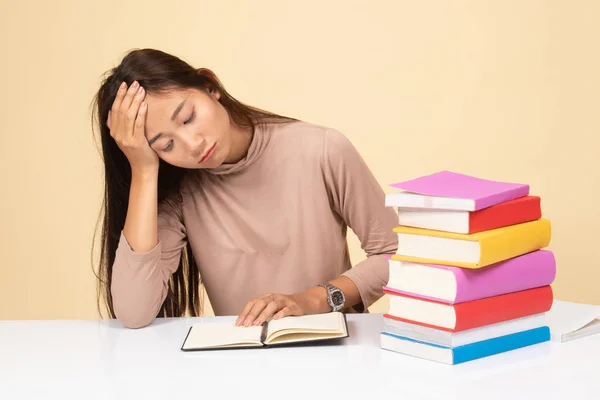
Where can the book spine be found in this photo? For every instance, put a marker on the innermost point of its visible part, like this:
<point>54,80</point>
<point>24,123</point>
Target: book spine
<point>263,334</point>
<point>528,271</point>
<point>512,212</point>
<point>500,344</point>
<point>518,240</point>
<point>491,310</point>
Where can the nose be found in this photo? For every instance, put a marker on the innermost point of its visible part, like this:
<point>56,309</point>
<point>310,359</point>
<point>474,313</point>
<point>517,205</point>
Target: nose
<point>194,145</point>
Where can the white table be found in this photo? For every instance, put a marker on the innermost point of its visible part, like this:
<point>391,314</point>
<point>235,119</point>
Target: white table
<point>102,360</point>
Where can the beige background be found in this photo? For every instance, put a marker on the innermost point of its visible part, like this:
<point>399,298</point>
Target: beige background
<point>501,89</point>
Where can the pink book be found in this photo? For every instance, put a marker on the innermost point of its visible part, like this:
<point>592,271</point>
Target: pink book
<point>454,191</point>
<point>455,285</point>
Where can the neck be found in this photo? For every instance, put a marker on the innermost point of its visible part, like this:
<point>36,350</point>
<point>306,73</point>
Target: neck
<point>240,143</point>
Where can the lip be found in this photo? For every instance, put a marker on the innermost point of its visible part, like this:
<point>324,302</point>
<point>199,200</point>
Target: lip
<point>208,154</point>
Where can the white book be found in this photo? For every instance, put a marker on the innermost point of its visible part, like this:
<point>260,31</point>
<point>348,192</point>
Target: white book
<point>455,339</point>
<point>569,321</point>
<point>406,199</point>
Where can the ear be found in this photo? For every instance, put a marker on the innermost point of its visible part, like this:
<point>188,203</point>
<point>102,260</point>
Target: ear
<point>213,82</point>
<point>108,120</point>
<point>214,92</point>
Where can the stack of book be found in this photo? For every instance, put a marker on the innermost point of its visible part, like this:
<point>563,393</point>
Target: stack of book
<point>471,277</point>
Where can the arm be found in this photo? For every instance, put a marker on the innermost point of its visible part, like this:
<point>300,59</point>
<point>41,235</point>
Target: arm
<point>141,221</point>
<point>150,244</point>
<point>145,259</point>
<point>358,198</point>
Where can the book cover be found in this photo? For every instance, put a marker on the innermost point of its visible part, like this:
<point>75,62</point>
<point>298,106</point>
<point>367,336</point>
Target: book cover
<point>527,271</point>
<point>470,314</point>
<point>448,184</point>
<point>493,246</point>
<point>512,212</point>
<point>468,352</point>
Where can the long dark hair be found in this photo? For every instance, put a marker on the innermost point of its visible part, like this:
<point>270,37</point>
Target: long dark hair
<point>157,72</point>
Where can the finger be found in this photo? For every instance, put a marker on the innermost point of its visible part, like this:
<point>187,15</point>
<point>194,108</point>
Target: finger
<point>257,308</point>
<point>272,307</point>
<point>119,97</point>
<point>291,309</point>
<point>140,121</point>
<point>134,109</point>
<point>128,99</point>
<point>245,311</point>
<point>244,314</point>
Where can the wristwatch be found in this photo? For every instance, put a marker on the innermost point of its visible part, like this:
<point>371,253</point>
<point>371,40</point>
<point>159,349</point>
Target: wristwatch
<point>335,297</point>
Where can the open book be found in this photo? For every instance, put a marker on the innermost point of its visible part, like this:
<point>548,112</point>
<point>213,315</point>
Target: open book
<point>288,330</point>
<point>569,321</point>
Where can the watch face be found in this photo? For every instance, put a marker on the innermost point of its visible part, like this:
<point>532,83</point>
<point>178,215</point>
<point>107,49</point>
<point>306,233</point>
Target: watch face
<point>337,298</point>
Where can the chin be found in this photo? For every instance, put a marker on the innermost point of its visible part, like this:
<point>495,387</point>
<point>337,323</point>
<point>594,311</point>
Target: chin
<point>214,162</point>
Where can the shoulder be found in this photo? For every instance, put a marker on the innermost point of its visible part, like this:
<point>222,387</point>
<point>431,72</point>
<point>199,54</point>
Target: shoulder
<point>322,141</point>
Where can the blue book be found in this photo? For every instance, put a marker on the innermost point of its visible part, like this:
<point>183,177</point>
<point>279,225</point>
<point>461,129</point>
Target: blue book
<point>468,352</point>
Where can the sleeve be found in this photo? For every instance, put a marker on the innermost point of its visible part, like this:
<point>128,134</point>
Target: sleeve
<point>139,280</point>
<point>360,201</point>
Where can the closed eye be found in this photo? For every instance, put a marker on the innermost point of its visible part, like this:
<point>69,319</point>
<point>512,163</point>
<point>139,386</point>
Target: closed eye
<point>169,145</point>
<point>190,119</point>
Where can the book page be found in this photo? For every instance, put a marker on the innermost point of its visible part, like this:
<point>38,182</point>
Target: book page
<point>328,322</point>
<point>565,317</point>
<point>219,334</point>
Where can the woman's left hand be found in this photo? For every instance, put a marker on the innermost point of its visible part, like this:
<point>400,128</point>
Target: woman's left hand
<point>260,309</point>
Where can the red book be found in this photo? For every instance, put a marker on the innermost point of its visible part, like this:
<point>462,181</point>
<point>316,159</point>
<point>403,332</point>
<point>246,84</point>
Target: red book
<point>470,314</point>
<point>511,212</point>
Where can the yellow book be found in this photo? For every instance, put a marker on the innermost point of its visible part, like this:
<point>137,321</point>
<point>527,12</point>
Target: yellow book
<point>471,250</point>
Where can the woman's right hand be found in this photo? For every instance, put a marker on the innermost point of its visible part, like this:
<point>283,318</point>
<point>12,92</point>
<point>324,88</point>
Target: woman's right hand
<point>126,121</point>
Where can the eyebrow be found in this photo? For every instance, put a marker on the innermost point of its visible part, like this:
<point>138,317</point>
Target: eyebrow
<point>175,113</point>
<point>179,107</point>
<point>154,139</point>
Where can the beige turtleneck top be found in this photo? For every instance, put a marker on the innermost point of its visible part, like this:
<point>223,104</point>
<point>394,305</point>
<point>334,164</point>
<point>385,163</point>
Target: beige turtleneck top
<point>274,222</point>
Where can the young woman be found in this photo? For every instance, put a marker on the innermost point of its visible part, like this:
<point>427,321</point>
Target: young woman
<point>202,191</point>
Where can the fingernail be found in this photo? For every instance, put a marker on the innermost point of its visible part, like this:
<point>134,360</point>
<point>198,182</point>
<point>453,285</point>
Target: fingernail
<point>257,322</point>
<point>140,90</point>
<point>122,86</point>
<point>135,84</point>
<point>247,322</point>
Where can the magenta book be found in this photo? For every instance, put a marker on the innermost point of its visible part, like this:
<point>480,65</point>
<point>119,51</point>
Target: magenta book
<point>524,272</point>
<point>483,192</point>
